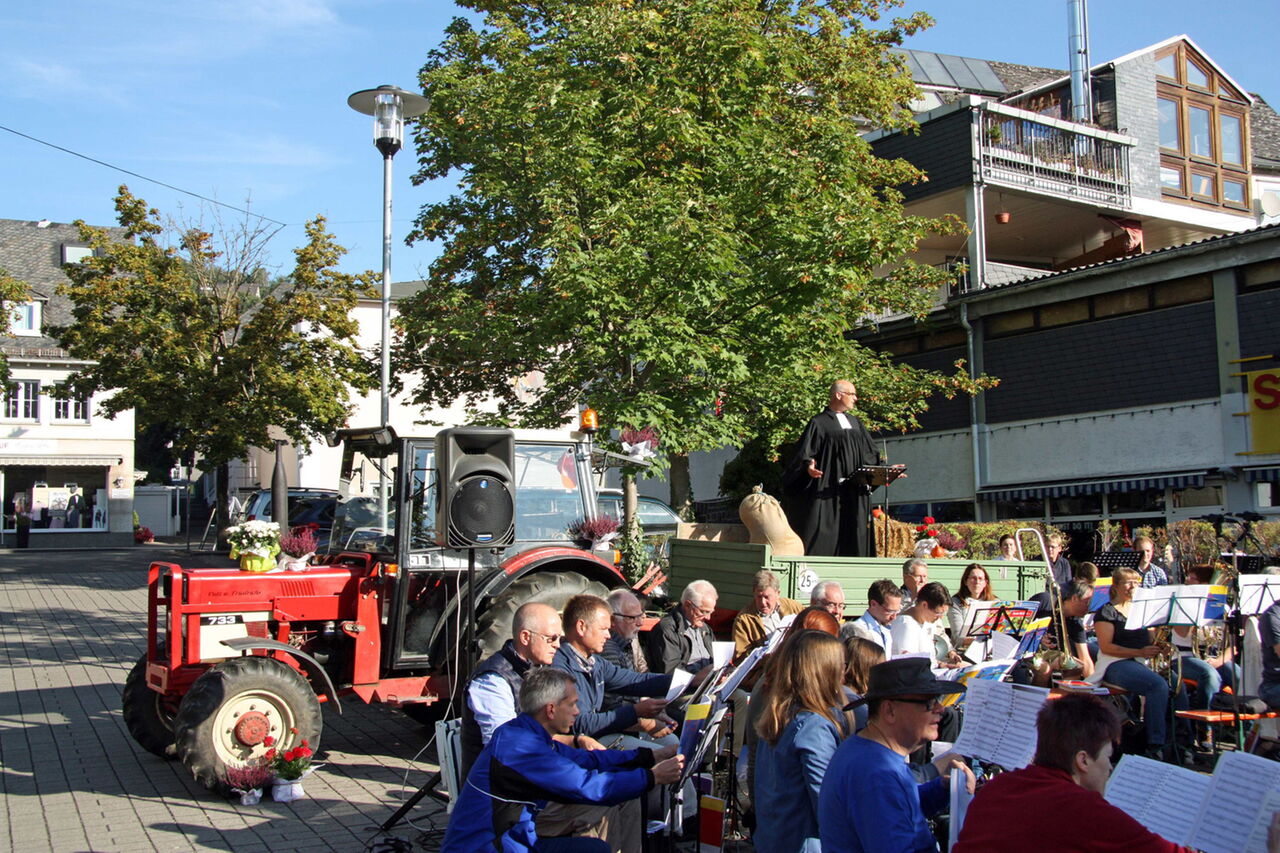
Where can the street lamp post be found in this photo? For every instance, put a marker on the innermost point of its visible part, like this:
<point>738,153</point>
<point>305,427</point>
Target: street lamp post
<point>389,106</point>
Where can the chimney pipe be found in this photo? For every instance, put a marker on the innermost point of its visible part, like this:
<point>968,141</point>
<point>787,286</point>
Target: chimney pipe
<point>1078,45</point>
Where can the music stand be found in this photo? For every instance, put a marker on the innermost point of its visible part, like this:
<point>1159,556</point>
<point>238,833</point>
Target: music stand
<point>1257,593</point>
<point>1172,604</point>
<point>1117,560</point>
<point>983,618</point>
<point>877,476</point>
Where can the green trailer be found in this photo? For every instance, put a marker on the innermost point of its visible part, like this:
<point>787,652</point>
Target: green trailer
<point>729,566</point>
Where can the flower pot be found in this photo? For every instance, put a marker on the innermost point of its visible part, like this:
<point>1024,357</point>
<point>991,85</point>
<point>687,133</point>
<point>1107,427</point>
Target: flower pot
<point>254,563</point>
<point>250,797</point>
<point>287,790</point>
<point>293,564</point>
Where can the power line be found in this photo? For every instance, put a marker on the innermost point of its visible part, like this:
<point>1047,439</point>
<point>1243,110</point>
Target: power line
<point>145,178</point>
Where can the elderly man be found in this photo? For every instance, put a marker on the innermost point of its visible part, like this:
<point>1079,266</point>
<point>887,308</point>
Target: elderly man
<point>827,501</point>
<point>683,637</point>
<point>829,595</point>
<point>495,685</point>
<point>523,768</point>
<point>870,800</point>
<point>1074,739</point>
<point>586,620</point>
<point>884,603</point>
<point>622,649</point>
<point>915,574</point>
<point>753,624</point>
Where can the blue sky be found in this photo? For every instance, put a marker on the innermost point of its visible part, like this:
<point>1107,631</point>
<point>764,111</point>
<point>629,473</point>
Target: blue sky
<point>245,100</point>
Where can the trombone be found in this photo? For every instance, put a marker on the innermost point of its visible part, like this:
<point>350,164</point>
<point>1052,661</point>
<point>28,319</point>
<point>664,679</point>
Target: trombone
<point>1061,659</point>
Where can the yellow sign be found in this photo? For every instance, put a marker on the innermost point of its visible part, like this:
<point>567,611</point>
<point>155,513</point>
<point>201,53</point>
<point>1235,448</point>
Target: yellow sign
<point>1263,387</point>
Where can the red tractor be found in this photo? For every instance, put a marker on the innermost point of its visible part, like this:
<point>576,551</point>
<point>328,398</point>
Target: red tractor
<point>235,656</point>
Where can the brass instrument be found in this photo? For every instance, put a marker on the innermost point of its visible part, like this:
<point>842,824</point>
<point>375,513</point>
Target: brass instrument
<point>1057,659</point>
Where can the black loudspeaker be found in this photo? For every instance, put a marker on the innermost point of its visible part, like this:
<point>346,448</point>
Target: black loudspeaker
<point>476,497</point>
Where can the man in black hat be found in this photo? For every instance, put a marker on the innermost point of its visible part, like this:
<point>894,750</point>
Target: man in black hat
<point>869,799</point>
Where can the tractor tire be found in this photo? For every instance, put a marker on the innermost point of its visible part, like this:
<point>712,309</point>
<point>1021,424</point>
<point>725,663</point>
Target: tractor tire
<point>147,714</point>
<point>493,627</point>
<point>221,701</point>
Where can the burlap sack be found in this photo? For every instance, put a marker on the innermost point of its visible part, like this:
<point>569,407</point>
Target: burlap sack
<point>767,524</point>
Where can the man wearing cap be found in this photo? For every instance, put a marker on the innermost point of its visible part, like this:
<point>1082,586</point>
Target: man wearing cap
<point>870,801</point>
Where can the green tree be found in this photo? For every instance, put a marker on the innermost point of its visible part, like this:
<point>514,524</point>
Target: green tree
<point>201,340</point>
<point>11,290</point>
<point>664,204</point>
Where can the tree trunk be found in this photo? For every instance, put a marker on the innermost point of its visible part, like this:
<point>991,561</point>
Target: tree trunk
<point>222,509</point>
<point>630,501</point>
<point>681,491</point>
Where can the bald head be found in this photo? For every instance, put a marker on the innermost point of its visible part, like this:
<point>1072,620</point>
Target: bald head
<point>843,396</point>
<point>536,632</point>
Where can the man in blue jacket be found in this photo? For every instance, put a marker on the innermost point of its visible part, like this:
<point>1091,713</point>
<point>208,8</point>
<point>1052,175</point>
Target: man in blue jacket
<point>586,622</point>
<point>522,769</point>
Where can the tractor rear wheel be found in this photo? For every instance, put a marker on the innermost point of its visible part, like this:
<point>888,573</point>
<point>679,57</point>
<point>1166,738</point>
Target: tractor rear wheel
<point>493,627</point>
<point>147,714</point>
<point>236,704</point>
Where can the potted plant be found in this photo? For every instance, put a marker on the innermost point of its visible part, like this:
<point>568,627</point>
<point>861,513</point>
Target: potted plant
<point>248,780</point>
<point>296,548</point>
<point>595,533</point>
<point>255,543</point>
<point>290,766</point>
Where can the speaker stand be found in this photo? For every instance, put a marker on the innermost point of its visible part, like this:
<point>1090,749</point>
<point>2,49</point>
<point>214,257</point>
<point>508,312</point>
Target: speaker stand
<point>471,611</point>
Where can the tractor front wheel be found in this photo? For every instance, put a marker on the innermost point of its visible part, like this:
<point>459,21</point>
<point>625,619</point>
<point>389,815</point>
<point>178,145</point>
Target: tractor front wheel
<point>232,708</point>
<point>147,714</point>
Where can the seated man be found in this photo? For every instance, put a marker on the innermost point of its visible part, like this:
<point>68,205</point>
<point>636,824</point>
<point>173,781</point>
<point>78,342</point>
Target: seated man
<point>915,574</point>
<point>586,620</point>
<point>683,637</point>
<point>870,801</point>
<point>829,595</point>
<point>492,693</point>
<point>921,629</point>
<point>1076,597</point>
<point>622,649</point>
<point>884,603</point>
<point>522,768</point>
<point>754,623</point>
<point>1074,740</point>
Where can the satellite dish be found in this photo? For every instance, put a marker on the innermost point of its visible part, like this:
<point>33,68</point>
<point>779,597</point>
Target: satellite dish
<point>1270,203</point>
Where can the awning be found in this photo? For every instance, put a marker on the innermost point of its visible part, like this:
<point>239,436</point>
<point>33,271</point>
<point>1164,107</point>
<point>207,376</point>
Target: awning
<point>1091,487</point>
<point>79,461</point>
<point>1262,475</point>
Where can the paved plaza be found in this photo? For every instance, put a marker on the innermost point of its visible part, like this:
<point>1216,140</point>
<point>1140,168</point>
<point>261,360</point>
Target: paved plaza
<point>72,623</point>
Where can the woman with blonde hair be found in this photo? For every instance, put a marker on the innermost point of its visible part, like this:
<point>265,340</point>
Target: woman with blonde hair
<point>1122,656</point>
<point>800,726</point>
<point>860,655</point>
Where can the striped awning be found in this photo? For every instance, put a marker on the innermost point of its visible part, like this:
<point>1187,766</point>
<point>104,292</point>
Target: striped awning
<point>72,461</point>
<point>1262,475</point>
<point>1091,487</point>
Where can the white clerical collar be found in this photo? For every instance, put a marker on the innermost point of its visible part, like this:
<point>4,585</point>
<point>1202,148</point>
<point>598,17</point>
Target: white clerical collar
<point>843,420</point>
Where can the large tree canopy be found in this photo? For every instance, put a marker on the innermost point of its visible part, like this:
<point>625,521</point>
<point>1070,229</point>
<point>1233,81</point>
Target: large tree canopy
<point>201,340</point>
<point>667,210</point>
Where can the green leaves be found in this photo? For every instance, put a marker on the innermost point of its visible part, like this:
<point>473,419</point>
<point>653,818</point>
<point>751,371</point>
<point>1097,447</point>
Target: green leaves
<point>197,335</point>
<point>662,204</point>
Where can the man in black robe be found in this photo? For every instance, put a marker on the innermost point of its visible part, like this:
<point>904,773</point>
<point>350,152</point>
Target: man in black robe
<point>828,502</point>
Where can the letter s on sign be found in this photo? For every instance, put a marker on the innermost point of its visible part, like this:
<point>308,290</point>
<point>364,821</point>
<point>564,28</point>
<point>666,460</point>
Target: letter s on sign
<point>1266,389</point>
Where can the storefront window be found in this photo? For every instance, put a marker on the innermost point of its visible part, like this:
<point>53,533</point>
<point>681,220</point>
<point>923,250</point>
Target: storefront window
<point>56,498</point>
<point>1026,508</point>
<point>1150,500</point>
<point>1076,505</point>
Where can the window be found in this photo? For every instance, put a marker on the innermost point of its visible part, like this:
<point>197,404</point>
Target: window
<point>74,410</point>
<point>1201,123</point>
<point>22,400</point>
<point>24,317</point>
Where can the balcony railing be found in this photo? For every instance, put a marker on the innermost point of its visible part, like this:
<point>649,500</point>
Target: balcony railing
<point>1021,149</point>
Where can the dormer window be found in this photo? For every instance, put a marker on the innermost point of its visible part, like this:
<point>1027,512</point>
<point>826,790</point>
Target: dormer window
<point>25,318</point>
<point>1203,124</point>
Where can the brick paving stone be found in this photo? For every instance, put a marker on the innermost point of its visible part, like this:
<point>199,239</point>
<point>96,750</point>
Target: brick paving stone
<point>73,780</point>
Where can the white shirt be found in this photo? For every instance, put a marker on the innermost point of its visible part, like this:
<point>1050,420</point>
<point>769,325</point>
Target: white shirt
<point>912,637</point>
<point>490,698</point>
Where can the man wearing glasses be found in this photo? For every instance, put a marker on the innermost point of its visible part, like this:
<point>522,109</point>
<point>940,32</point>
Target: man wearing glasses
<point>491,695</point>
<point>683,638</point>
<point>827,502</point>
<point>870,800</point>
<point>755,623</point>
<point>884,603</point>
<point>829,595</point>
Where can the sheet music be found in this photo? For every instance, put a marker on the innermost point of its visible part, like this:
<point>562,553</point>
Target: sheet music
<point>960,799</point>
<point>1257,839</point>
<point>1000,722</point>
<point>1176,604</point>
<point>680,679</point>
<point>1003,645</point>
<point>740,672</point>
<point>1230,807</point>
<point>1258,592</point>
<point>1162,797</point>
<point>721,654</point>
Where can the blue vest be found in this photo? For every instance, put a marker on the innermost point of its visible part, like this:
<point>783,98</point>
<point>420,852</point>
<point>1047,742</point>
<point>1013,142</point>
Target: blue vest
<point>512,668</point>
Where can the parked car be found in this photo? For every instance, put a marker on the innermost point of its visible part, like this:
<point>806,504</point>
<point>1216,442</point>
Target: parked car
<point>306,506</point>
<point>657,520</point>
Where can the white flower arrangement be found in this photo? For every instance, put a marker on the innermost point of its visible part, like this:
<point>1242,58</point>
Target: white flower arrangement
<point>260,538</point>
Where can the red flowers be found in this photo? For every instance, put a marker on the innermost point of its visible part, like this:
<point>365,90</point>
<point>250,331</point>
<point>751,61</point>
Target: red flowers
<point>268,741</point>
